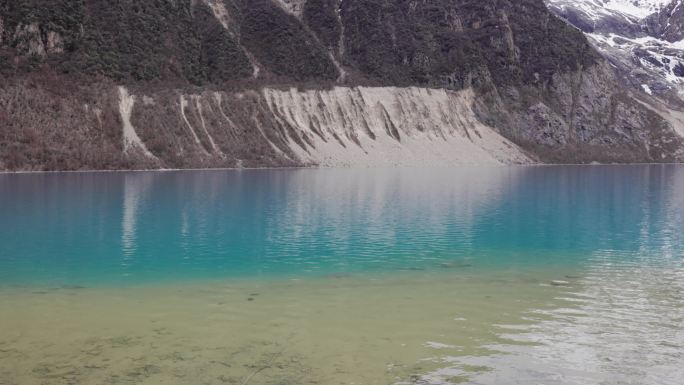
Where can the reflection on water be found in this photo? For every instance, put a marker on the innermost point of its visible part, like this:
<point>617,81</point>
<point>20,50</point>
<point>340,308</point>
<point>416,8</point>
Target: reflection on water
<point>546,275</point>
<point>136,188</point>
<point>143,227</point>
<point>137,227</point>
<point>621,323</point>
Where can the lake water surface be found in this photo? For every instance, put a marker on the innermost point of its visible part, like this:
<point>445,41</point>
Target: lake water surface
<point>511,275</point>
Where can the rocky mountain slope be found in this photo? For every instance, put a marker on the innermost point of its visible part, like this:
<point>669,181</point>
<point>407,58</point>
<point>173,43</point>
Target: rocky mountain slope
<point>643,39</point>
<point>249,83</point>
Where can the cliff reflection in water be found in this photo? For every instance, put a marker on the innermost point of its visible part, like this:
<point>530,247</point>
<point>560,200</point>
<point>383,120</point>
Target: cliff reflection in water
<point>146,226</point>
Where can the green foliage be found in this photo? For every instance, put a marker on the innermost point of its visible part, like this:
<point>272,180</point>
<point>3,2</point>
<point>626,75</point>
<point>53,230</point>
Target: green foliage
<point>547,44</point>
<point>398,42</point>
<point>62,16</point>
<point>5,62</point>
<point>321,17</point>
<point>404,42</point>
<point>282,44</point>
<point>33,62</point>
<point>138,40</point>
<point>222,59</point>
<point>143,40</point>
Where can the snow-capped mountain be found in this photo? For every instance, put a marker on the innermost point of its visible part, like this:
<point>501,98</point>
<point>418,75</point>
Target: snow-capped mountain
<point>668,23</point>
<point>601,15</point>
<point>642,39</point>
<point>633,8</point>
<point>597,9</point>
<point>636,8</point>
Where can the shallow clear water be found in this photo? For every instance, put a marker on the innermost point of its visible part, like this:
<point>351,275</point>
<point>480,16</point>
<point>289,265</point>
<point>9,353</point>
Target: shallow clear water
<point>563,275</point>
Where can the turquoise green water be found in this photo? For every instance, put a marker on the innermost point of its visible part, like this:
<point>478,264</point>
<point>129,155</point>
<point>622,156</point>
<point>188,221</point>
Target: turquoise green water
<point>126,228</point>
<point>563,275</point>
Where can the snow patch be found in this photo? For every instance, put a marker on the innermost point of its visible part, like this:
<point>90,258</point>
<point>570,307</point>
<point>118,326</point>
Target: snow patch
<point>636,8</point>
<point>598,9</point>
<point>647,89</point>
<point>658,56</point>
<point>130,136</point>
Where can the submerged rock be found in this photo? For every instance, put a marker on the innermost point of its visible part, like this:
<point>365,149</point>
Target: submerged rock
<point>451,265</point>
<point>72,287</point>
<point>411,268</point>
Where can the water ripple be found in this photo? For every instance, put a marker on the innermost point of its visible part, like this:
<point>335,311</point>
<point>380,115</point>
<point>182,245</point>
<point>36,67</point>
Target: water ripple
<point>621,324</point>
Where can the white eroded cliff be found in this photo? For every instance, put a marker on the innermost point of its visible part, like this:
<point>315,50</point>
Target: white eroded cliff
<point>388,126</point>
<point>339,127</point>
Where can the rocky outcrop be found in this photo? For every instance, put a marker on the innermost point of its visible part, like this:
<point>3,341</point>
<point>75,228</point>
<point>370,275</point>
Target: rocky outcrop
<point>641,41</point>
<point>295,7</point>
<point>668,23</point>
<point>29,40</point>
<point>584,118</point>
<point>32,40</point>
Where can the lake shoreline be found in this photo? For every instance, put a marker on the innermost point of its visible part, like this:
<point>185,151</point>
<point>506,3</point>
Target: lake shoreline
<point>370,167</point>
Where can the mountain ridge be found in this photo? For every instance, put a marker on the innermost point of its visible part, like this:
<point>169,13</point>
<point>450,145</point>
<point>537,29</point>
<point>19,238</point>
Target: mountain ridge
<point>536,82</point>
<point>645,46</point>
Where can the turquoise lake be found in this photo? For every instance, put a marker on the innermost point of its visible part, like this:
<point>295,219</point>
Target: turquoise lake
<point>475,275</point>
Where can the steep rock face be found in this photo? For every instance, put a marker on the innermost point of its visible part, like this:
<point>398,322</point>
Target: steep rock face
<point>588,120</point>
<point>607,16</point>
<point>642,39</point>
<point>648,65</point>
<point>209,70</point>
<point>644,47</point>
<point>668,22</point>
<point>460,43</point>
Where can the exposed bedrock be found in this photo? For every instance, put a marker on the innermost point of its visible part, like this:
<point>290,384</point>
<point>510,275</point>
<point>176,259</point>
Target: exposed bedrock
<point>584,116</point>
<point>111,127</point>
<point>121,128</point>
